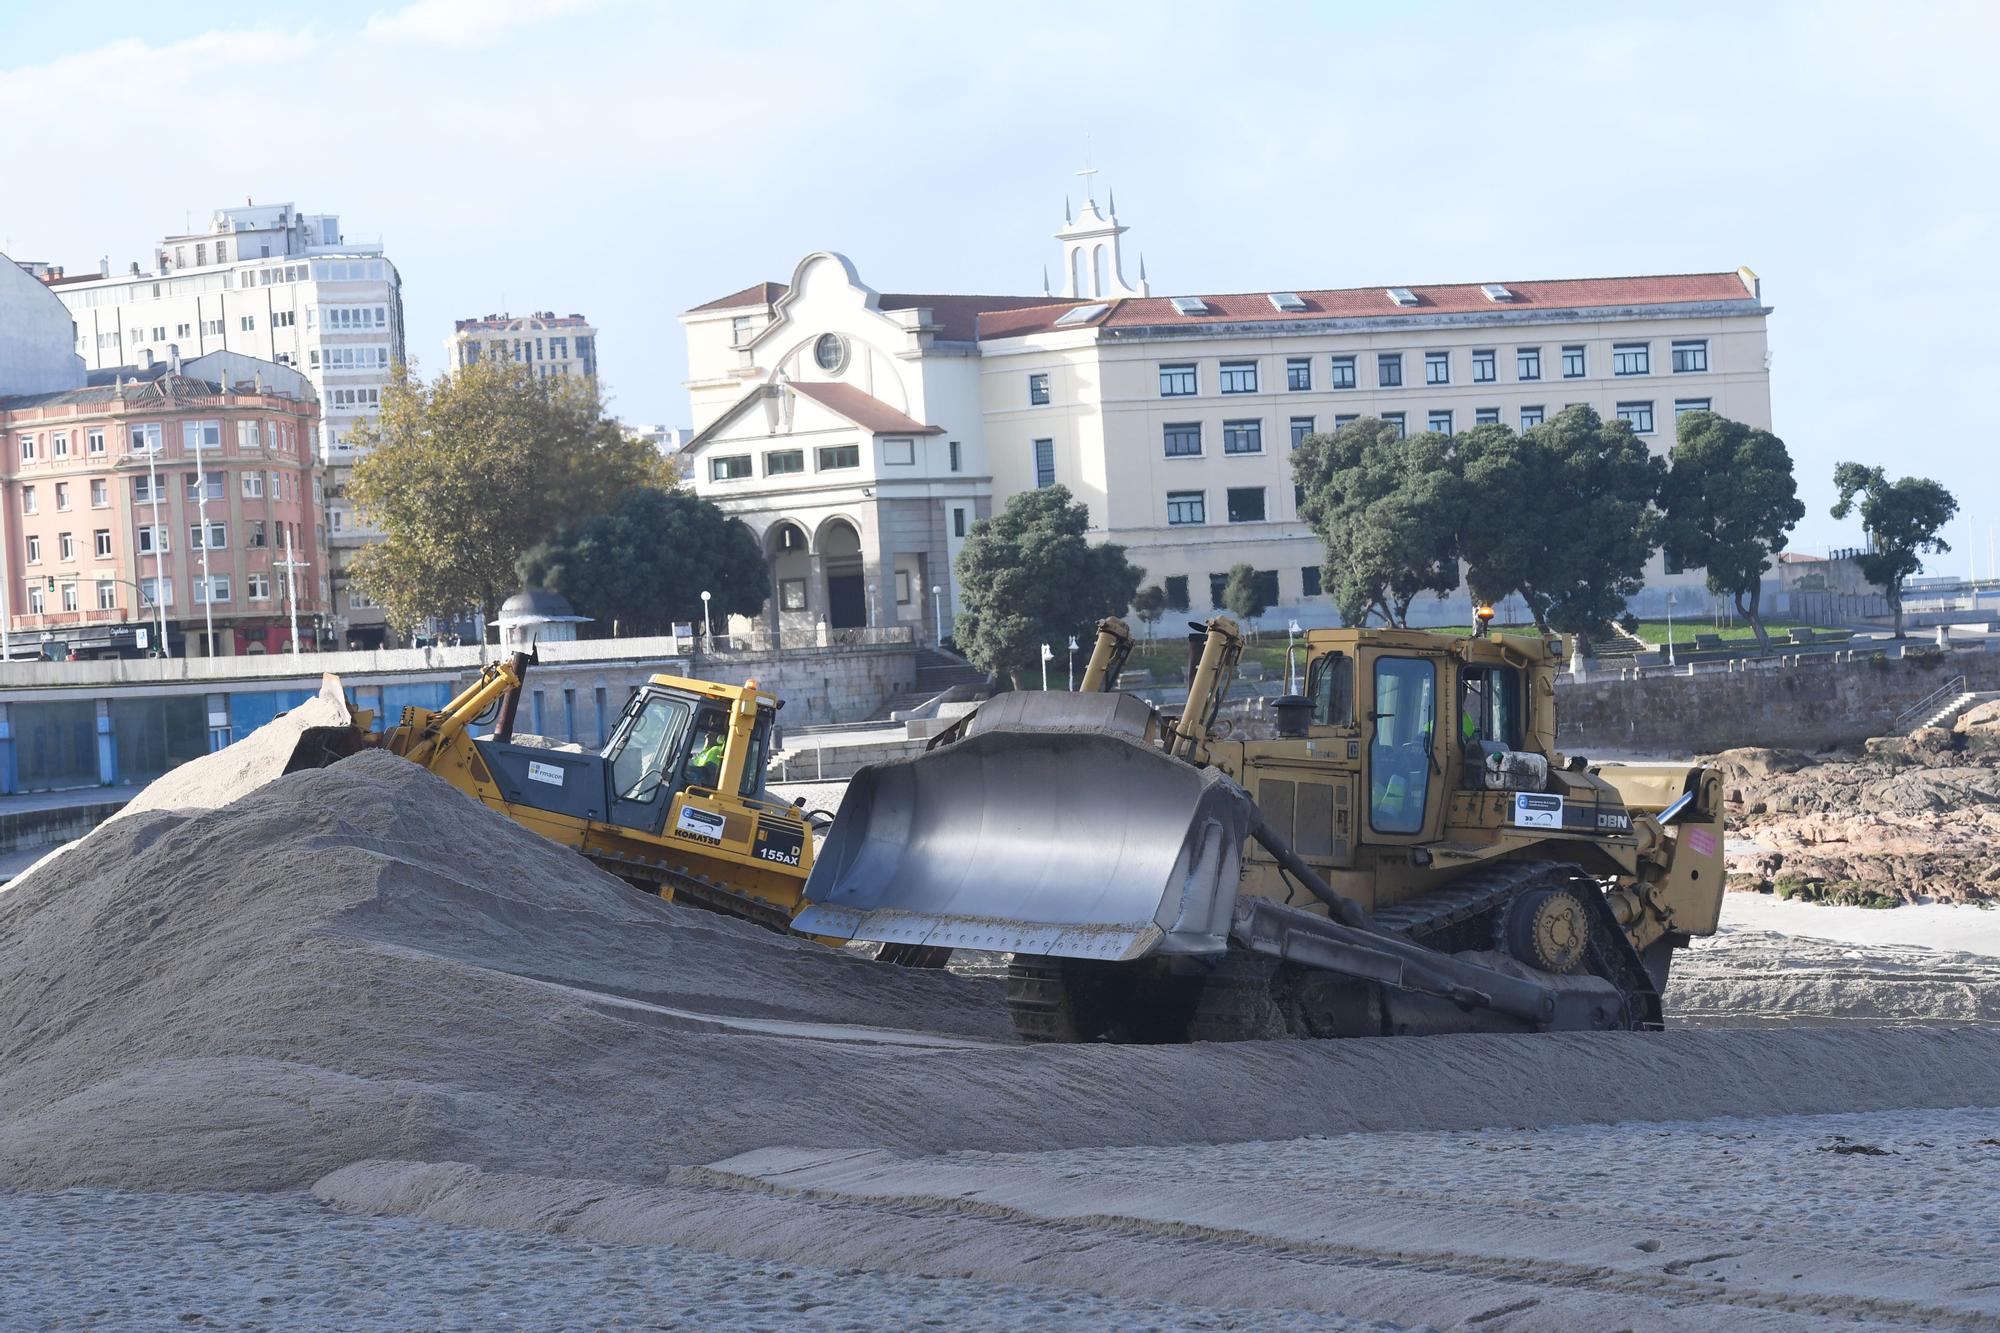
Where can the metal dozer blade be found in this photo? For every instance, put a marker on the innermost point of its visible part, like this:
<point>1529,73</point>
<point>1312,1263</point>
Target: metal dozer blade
<point>1053,827</point>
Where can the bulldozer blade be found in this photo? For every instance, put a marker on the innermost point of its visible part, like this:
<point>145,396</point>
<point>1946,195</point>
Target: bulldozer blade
<point>1071,844</point>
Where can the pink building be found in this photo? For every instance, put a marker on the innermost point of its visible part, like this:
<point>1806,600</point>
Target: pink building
<point>181,482</point>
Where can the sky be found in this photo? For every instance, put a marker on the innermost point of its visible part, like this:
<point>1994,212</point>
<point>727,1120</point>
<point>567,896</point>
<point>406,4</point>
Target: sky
<point>629,159</point>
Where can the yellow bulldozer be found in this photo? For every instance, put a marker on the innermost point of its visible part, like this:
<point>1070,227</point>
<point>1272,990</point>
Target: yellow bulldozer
<point>673,804</point>
<point>1407,854</point>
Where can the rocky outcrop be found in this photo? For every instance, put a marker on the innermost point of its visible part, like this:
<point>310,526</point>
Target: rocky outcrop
<point>1911,819</point>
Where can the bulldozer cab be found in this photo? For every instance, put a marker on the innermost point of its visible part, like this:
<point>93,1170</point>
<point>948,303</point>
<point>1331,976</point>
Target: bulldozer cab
<point>671,740</point>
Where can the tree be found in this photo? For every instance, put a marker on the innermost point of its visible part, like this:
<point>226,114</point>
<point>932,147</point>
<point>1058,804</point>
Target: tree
<point>1027,576</point>
<point>645,564</point>
<point>1902,520</point>
<point>1562,514</point>
<point>1385,509</point>
<point>1149,604</point>
<point>464,474</point>
<point>1727,503</point>
<point>1243,595</point>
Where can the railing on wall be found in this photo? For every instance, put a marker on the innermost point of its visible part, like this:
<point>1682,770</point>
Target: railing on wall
<point>1929,704</point>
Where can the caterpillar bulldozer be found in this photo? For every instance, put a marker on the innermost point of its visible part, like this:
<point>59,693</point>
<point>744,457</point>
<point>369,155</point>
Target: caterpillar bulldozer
<point>1407,854</point>
<point>673,804</point>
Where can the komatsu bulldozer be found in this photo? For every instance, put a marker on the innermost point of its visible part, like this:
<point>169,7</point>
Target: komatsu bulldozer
<point>673,804</point>
<point>1407,854</point>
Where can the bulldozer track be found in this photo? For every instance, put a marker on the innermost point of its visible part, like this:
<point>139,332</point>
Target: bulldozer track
<point>655,877</point>
<point>1039,1000</point>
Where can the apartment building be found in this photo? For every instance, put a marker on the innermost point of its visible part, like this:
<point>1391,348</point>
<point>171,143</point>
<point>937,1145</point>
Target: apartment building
<point>546,343</point>
<point>269,282</point>
<point>862,432</point>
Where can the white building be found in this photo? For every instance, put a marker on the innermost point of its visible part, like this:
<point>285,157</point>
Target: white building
<point>546,343</point>
<point>861,434</point>
<point>269,282</point>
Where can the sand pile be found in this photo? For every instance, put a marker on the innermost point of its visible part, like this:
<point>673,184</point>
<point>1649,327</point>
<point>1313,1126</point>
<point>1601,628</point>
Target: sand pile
<point>360,963</point>
<point>1915,818</point>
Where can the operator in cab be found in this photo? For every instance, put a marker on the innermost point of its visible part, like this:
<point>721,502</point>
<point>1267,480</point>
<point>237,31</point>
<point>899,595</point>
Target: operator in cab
<point>705,760</point>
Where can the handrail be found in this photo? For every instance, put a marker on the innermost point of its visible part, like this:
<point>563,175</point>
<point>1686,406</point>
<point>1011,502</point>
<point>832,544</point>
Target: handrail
<point>1929,703</point>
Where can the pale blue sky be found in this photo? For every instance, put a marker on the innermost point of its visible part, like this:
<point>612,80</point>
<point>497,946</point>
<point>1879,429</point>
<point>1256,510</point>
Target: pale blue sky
<point>629,160</point>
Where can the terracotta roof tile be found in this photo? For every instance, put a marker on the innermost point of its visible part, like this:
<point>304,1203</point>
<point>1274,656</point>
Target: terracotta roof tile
<point>757,293</point>
<point>959,318</point>
<point>869,413</point>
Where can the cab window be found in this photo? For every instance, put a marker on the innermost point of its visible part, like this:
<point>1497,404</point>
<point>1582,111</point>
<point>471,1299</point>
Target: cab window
<point>649,743</point>
<point>1490,707</point>
<point>1399,751</point>
<point>1332,690</point>
<point>704,756</point>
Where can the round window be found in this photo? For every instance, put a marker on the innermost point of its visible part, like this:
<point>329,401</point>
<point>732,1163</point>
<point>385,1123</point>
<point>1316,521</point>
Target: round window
<point>831,352</point>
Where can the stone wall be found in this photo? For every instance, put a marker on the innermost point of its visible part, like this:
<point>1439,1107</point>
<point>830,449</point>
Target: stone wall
<point>1816,705</point>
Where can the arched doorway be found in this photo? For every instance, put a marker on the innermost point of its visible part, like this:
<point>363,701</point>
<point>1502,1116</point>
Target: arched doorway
<point>846,575</point>
<point>793,605</point>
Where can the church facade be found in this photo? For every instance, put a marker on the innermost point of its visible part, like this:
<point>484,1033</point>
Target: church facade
<point>860,434</point>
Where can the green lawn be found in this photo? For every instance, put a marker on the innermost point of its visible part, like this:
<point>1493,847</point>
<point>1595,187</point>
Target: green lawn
<point>1655,631</point>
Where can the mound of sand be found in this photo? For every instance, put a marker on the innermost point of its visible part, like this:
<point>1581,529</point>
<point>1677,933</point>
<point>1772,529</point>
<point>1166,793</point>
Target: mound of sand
<point>360,963</point>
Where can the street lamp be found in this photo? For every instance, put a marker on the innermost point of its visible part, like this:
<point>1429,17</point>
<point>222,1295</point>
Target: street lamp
<point>1670,629</point>
<point>707,635</point>
<point>937,611</point>
<point>1047,653</point>
<point>1072,663</point>
<point>1292,631</point>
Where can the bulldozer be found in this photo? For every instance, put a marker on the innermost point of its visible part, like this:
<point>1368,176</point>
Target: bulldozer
<point>1408,853</point>
<point>673,804</point>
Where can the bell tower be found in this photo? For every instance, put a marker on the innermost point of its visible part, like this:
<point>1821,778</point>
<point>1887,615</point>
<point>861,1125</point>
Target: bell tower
<point>1093,261</point>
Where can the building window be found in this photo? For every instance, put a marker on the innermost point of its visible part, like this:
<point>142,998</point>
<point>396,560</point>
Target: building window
<point>107,595</point>
<point>1437,367</point>
<point>1183,439</point>
<point>66,546</point>
<point>250,435</point>
<point>248,324</point>
<point>34,549</point>
<point>899,453</point>
<point>1345,418</point>
<point>1683,406</point>
<point>218,537</point>
<point>957,521</point>
<point>1640,415</point>
<point>784,462</point>
<point>1690,356</point>
<point>1176,587</point>
<point>1389,370</point>
<point>146,438</point>
<point>100,493</point>
<point>101,540</point>
<point>1298,373</point>
<point>69,596</point>
<point>93,440</point>
<point>735,467</point>
<point>1218,584</point>
<point>1342,374</point>
<point>1239,377</point>
<point>957,457</point>
<point>1440,422</point>
<point>259,534</point>
<point>1178,381</point>
<point>62,496</point>
<point>212,327</point>
<point>833,457</point>
<point>1527,363</point>
<point>35,602</point>
<point>1301,427</point>
<point>201,434</point>
<point>1396,419</point>
<point>1185,508</point>
<point>1242,437</point>
<point>1572,363</point>
<point>1631,359</point>
<point>791,594</point>
<point>203,486</point>
<point>1485,366</point>
<point>213,589</point>
<point>1531,416</point>
<point>1485,416</point>
<point>59,445</point>
<point>257,587</point>
<point>1246,504</point>
<point>1045,463</point>
<point>27,448</point>
<point>253,485</point>
<point>28,503</point>
<point>739,330</point>
<point>1309,580</point>
<point>1038,390</point>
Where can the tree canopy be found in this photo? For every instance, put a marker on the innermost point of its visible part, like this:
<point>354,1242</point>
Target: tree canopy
<point>1728,500</point>
<point>465,473</point>
<point>1902,520</point>
<point>1562,514</point>
<point>1243,594</point>
<point>645,564</point>
<point>1386,509</point>
<point>1149,604</point>
<point>1028,576</point>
